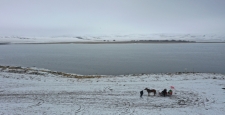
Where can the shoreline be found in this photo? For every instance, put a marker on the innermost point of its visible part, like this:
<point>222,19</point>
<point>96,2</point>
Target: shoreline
<point>107,42</point>
<point>40,71</point>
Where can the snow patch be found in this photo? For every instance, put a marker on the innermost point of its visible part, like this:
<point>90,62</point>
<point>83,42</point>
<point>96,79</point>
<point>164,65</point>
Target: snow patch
<point>49,93</point>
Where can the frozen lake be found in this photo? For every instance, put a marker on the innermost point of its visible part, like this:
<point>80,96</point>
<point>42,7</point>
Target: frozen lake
<point>116,59</point>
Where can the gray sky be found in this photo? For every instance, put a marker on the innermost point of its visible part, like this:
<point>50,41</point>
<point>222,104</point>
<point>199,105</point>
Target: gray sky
<point>77,17</point>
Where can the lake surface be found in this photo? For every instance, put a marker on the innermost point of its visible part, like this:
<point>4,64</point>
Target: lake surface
<point>117,59</point>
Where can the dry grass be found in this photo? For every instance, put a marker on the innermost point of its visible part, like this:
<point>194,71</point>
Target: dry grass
<point>13,69</point>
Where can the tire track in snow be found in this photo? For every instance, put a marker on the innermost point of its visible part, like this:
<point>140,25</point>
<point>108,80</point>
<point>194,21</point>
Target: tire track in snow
<point>80,109</point>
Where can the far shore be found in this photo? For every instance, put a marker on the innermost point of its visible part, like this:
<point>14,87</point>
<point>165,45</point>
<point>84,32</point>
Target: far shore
<point>110,42</point>
<point>115,42</point>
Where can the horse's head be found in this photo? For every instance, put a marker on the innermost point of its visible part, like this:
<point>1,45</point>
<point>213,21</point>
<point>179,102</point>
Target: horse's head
<point>146,89</point>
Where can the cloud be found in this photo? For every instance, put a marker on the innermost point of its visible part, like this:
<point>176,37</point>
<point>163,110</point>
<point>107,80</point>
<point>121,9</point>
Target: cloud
<point>127,16</point>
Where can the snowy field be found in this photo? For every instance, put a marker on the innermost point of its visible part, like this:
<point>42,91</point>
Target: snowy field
<point>31,91</point>
<point>113,38</point>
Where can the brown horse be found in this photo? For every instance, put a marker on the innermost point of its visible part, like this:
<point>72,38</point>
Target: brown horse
<point>150,90</point>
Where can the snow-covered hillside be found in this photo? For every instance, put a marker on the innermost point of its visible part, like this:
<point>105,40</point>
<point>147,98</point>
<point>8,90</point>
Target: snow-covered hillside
<point>111,38</point>
<point>37,91</point>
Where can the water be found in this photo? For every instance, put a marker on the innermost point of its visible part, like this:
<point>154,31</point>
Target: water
<point>117,59</point>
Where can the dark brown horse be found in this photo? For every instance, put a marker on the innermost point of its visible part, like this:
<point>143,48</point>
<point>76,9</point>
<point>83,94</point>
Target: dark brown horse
<point>150,90</point>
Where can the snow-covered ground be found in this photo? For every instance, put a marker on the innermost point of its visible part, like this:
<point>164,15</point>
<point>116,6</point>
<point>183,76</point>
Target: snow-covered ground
<point>30,91</point>
<point>113,37</point>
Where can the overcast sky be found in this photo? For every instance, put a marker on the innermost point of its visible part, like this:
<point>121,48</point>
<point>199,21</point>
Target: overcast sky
<point>77,17</point>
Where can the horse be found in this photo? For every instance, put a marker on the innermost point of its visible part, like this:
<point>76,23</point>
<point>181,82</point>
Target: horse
<point>150,90</point>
